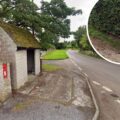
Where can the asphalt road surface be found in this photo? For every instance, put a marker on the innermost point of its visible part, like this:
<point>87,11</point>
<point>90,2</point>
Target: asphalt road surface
<point>105,80</point>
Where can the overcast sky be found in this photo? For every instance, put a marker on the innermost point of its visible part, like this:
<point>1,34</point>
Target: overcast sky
<point>79,20</point>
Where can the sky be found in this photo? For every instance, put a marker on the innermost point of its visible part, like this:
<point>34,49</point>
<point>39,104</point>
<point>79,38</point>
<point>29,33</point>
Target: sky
<point>79,20</point>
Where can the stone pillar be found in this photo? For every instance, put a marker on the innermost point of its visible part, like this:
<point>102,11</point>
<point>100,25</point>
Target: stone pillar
<point>37,61</point>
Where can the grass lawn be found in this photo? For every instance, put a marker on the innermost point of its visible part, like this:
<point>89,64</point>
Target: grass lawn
<point>50,67</point>
<point>56,55</point>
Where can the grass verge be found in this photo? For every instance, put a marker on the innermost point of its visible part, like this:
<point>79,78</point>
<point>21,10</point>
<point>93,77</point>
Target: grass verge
<point>22,105</point>
<point>108,39</point>
<point>90,53</point>
<point>50,67</point>
<point>55,55</point>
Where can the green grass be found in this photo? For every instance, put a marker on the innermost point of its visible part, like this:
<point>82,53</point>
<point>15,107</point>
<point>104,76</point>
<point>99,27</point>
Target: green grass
<point>50,67</point>
<point>56,55</point>
<point>114,42</point>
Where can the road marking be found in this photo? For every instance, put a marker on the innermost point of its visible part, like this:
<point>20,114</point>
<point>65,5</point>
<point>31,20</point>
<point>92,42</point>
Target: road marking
<point>73,62</point>
<point>96,83</point>
<point>76,65</point>
<point>86,75</point>
<point>80,68</point>
<point>107,89</point>
<point>118,101</point>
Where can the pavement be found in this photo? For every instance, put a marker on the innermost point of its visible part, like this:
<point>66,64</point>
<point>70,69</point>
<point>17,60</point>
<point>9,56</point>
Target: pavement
<point>105,81</point>
<point>58,95</point>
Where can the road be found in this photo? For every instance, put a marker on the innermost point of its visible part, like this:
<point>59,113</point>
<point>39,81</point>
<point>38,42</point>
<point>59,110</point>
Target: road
<point>105,80</point>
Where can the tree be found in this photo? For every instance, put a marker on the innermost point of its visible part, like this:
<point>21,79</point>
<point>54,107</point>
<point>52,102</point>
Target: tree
<point>48,23</point>
<point>25,14</point>
<point>105,17</point>
<point>81,39</point>
<point>55,14</point>
<point>85,43</point>
<point>5,8</point>
<point>78,35</point>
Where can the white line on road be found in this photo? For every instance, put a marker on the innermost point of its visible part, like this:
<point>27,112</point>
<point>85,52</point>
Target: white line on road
<point>76,65</point>
<point>73,62</point>
<point>107,89</point>
<point>96,83</point>
<point>80,68</point>
<point>118,101</point>
<point>86,75</point>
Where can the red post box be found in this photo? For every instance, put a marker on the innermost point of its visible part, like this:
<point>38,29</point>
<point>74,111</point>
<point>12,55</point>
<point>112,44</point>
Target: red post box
<point>5,71</point>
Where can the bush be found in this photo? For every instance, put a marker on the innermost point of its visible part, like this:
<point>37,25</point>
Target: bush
<point>84,43</point>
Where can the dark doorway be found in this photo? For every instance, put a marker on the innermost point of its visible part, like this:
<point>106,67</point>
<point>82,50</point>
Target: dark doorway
<point>30,61</point>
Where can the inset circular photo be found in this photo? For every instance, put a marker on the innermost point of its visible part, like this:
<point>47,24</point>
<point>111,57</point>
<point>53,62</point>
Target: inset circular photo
<point>104,29</point>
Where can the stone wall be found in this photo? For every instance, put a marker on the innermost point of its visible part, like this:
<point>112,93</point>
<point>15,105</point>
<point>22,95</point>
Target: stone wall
<point>37,61</point>
<point>5,84</point>
<point>21,68</point>
<point>7,54</point>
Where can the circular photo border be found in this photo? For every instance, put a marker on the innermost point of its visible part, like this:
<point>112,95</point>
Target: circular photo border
<point>87,29</point>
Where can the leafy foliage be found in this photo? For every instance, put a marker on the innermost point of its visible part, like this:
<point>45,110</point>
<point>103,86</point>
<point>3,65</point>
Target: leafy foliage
<point>85,43</point>
<point>81,39</point>
<point>72,45</point>
<point>48,23</point>
<point>5,8</point>
<point>106,16</point>
<point>78,35</point>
